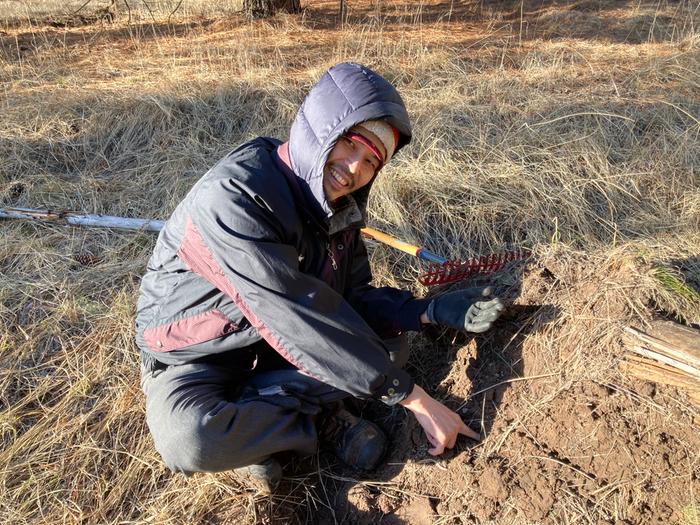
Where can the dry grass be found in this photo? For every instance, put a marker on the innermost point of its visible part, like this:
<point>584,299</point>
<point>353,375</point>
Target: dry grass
<point>70,13</point>
<point>569,129</point>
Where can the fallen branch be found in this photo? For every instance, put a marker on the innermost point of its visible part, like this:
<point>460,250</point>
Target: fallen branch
<point>80,219</point>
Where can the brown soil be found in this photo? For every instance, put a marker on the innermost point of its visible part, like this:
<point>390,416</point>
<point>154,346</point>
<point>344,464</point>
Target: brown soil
<point>620,451</point>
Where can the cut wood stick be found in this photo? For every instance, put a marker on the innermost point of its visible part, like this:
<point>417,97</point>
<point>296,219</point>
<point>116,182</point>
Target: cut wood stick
<point>678,336</point>
<point>662,368</point>
<point>657,375</point>
<point>666,360</point>
<point>678,354</point>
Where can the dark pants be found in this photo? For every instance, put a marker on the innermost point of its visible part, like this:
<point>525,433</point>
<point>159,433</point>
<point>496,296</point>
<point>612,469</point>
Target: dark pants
<point>208,417</point>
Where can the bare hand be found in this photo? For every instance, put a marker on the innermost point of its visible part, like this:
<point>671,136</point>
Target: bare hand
<point>441,425</point>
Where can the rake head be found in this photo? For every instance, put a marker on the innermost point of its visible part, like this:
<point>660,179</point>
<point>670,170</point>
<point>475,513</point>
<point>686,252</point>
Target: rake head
<point>453,271</point>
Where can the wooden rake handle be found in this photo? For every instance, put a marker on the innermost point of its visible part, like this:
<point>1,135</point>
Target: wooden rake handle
<point>411,249</point>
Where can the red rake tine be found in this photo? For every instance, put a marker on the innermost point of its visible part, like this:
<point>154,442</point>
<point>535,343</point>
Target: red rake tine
<point>442,271</point>
<point>453,271</point>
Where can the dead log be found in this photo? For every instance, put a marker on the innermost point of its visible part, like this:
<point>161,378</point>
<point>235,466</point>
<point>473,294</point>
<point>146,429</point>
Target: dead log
<point>669,354</point>
<point>671,344</point>
<point>679,336</point>
<point>687,369</point>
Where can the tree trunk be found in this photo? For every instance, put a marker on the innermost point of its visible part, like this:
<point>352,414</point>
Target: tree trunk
<point>265,8</point>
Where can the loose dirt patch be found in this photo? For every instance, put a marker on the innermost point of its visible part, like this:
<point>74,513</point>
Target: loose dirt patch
<point>573,440</point>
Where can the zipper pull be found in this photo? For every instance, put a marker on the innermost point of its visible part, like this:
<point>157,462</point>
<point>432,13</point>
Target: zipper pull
<point>334,264</point>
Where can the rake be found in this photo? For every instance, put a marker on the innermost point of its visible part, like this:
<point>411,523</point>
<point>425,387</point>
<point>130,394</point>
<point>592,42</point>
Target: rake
<point>440,270</point>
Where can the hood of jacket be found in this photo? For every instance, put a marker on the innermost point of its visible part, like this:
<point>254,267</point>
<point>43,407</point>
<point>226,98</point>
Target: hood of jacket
<point>345,95</point>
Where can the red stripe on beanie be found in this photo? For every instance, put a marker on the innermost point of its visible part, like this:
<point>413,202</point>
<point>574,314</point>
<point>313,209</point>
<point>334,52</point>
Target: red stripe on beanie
<point>366,142</point>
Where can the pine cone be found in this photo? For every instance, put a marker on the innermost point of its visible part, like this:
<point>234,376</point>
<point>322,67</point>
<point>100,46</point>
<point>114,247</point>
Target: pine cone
<point>86,259</point>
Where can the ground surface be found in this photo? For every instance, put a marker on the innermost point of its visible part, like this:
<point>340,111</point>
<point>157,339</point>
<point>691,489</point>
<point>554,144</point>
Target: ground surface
<point>569,128</point>
<point>622,452</point>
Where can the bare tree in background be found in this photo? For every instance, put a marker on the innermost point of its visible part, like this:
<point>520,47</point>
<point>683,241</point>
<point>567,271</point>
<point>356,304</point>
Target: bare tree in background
<point>264,8</point>
<point>341,12</point>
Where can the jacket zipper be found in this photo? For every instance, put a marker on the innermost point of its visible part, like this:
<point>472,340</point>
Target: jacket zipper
<point>334,264</point>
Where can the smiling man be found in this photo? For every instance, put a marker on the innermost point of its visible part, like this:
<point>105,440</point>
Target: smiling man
<point>256,316</point>
<point>357,157</point>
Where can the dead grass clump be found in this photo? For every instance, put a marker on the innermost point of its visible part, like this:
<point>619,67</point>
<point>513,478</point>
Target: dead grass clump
<point>77,13</point>
<point>96,146</point>
<point>578,174</point>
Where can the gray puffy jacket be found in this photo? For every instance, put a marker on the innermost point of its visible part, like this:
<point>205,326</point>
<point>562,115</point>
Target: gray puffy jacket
<point>255,252</point>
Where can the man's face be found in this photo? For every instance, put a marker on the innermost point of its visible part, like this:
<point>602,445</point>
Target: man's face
<point>350,166</point>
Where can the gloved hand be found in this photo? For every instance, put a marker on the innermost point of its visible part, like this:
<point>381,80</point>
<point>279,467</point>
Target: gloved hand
<point>462,310</point>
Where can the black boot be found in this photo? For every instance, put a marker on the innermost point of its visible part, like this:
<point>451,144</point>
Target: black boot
<point>357,442</point>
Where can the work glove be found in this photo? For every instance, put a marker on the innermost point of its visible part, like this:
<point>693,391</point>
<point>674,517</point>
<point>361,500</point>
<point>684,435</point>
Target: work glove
<point>462,310</point>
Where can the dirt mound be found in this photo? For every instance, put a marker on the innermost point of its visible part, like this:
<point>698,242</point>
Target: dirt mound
<point>565,436</point>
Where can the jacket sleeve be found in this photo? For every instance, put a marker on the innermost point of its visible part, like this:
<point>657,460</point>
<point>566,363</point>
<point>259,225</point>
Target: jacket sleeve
<point>232,240</point>
<point>389,311</point>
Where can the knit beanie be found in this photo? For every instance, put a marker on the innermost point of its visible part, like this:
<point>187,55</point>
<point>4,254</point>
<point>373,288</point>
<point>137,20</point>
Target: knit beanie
<point>381,134</point>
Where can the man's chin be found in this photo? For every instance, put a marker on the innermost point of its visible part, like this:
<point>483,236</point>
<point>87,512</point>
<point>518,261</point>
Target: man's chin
<point>332,194</point>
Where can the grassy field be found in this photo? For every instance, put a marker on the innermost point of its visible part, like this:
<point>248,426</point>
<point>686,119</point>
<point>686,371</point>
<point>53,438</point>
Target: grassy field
<point>569,128</point>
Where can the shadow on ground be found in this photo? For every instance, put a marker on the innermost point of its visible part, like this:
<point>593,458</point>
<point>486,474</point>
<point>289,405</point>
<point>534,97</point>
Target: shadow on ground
<point>593,20</point>
<point>18,46</point>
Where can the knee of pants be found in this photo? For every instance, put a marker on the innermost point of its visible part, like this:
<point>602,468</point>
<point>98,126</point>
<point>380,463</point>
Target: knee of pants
<point>399,349</point>
<point>205,432</point>
<point>180,428</point>
<point>183,447</point>
<point>198,449</point>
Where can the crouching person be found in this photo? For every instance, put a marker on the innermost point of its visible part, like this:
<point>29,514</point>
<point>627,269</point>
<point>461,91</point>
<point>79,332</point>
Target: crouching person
<point>256,317</point>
